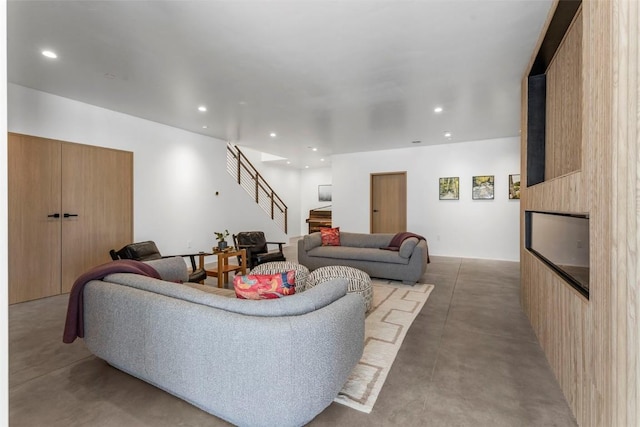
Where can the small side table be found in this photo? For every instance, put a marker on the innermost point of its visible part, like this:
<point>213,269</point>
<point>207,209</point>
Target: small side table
<point>223,268</point>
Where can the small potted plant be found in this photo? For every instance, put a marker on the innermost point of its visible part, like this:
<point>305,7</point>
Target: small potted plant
<point>220,237</point>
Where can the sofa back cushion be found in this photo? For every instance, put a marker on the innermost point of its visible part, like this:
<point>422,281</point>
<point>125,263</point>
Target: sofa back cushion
<point>363,240</point>
<point>293,305</point>
<point>172,269</point>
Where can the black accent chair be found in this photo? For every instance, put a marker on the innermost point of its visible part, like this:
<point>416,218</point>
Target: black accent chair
<point>147,251</point>
<point>256,246</point>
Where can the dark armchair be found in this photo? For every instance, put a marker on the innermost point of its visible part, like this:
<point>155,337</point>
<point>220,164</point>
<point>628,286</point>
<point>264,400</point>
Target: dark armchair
<point>256,246</point>
<point>146,251</point>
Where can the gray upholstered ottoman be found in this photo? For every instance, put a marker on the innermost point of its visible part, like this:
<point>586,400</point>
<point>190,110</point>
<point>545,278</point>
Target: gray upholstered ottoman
<point>359,281</point>
<point>274,267</point>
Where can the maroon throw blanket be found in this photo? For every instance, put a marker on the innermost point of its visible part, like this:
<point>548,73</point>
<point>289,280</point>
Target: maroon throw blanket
<point>74,325</point>
<point>397,240</point>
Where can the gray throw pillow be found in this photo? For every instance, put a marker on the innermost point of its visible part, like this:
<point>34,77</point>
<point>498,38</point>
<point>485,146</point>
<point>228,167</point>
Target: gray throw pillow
<point>407,247</point>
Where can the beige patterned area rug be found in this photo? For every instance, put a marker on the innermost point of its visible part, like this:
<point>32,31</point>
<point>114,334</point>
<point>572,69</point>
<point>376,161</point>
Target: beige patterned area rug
<point>395,306</point>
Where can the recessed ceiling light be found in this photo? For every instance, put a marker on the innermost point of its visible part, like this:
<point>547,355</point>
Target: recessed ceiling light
<point>437,110</point>
<point>306,167</point>
<point>205,126</point>
<point>447,134</point>
<point>273,135</point>
<point>202,108</point>
<point>49,54</point>
<point>288,162</point>
<point>322,160</point>
<point>314,149</point>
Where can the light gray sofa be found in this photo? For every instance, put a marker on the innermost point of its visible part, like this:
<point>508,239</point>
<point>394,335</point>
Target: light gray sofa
<point>253,363</point>
<point>362,251</point>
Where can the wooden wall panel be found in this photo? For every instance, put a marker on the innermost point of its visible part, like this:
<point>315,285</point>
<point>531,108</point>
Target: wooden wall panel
<point>624,215</point>
<point>47,177</point>
<point>97,186</point>
<point>563,143</point>
<point>34,237</point>
<point>593,346</point>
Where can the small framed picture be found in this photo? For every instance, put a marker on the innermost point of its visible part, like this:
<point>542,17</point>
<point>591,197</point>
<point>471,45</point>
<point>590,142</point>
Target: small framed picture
<point>482,187</point>
<point>324,193</point>
<point>514,186</point>
<point>449,188</point>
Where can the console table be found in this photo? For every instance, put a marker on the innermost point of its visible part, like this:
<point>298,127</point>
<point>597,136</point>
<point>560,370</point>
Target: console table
<point>223,268</point>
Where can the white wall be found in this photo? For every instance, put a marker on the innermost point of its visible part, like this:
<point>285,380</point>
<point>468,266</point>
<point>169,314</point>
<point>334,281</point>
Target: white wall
<point>462,228</point>
<point>309,181</point>
<point>176,173</point>
<point>285,181</point>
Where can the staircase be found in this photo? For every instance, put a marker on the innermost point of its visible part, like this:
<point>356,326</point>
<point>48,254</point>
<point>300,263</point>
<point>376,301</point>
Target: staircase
<point>241,169</point>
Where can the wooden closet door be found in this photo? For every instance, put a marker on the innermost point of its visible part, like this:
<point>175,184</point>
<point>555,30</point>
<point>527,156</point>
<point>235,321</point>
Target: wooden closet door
<point>97,186</point>
<point>388,202</point>
<point>34,237</point>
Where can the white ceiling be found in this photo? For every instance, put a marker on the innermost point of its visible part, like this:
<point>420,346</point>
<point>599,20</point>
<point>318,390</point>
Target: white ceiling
<point>342,76</point>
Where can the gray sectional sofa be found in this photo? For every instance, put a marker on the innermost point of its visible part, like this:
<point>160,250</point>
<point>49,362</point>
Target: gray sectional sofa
<point>253,363</point>
<point>362,251</point>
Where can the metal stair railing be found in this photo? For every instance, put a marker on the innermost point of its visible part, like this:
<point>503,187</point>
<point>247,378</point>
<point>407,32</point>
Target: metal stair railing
<point>247,176</point>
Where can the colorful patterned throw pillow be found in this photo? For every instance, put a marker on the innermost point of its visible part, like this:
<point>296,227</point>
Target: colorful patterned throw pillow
<point>330,236</point>
<point>265,286</point>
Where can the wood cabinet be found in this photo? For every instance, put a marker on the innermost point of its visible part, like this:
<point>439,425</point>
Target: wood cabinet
<point>68,205</point>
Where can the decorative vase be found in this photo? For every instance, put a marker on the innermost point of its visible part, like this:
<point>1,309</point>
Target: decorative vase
<point>222,245</point>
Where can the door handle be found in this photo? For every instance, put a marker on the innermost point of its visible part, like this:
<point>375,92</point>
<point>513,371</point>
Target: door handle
<point>55,215</point>
<point>375,210</point>
<point>67,215</point>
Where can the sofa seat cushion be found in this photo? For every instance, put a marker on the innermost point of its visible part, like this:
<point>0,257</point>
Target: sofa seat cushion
<point>360,254</point>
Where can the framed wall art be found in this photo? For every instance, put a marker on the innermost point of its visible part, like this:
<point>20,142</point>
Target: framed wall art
<point>449,188</point>
<point>482,187</point>
<point>324,193</point>
<point>514,186</point>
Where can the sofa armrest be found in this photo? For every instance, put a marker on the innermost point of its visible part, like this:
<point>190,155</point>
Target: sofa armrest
<point>311,241</point>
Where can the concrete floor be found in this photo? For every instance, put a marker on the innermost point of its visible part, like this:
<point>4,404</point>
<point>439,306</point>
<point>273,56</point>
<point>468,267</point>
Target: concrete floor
<point>469,359</point>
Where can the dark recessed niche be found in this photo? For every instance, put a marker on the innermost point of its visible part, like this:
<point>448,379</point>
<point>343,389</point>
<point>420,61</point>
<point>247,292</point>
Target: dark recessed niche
<point>536,128</point>
<point>561,241</point>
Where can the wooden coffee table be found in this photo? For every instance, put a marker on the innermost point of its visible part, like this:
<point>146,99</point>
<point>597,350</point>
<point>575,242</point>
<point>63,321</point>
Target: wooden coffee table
<point>223,268</point>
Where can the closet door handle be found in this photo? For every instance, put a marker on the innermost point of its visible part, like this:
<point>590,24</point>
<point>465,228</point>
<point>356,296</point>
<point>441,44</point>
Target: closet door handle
<point>55,215</point>
<point>67,215</point>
